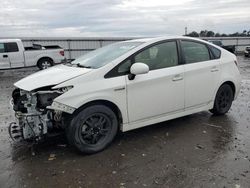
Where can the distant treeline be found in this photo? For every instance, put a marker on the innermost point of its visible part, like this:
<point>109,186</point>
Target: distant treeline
<point>206,33</point>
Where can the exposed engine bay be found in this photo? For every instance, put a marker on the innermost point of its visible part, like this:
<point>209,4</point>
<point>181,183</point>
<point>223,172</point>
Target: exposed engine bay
<point>33,119</point>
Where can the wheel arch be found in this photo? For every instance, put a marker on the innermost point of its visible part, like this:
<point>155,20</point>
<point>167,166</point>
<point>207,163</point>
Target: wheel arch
<point>107,103</point>
<point>231,84</point>
<point>45,57</point>
<point>228,82</point>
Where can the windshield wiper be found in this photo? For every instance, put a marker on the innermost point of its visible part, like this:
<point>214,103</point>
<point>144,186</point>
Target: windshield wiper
<point>83,66</point>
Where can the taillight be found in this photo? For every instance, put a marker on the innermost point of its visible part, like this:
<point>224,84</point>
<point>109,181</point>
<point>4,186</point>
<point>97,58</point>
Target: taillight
<point>62,53</point>
<point>236,63</point>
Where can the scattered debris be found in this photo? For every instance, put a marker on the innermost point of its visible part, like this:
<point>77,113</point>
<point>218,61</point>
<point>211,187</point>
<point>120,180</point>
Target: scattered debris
<point>143,154</point>
<point>32,150</point>
<point>204,132</point>
<point>243,175</point>
<point>211,125</point>
<point>135,182</point>
<point>114,172</point>
<point>237,186</point>
<point>122,154</point>
<point>236,179</point>
<point>159,180</point>
<point>198,146</point>
<point>52,157</point>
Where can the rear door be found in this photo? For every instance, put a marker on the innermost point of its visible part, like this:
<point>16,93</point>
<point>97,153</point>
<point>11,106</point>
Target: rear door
<point>4,58</point>
<point>15,54</point>
<point>202,72</point>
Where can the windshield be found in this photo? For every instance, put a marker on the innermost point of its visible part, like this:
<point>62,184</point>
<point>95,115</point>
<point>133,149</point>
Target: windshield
<point>105,55</point>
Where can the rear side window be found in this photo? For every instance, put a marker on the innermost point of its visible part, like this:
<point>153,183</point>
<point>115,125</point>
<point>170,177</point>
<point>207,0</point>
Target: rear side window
<point>1,48</point>
<point>195,52</point>
<point>11,47</point>
<point>216,52</point>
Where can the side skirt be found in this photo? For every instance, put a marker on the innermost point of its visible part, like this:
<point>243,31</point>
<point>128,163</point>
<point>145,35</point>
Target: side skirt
<point>164,117</point>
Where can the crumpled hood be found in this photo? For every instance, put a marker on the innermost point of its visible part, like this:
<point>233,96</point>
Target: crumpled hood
<point>51,76</point>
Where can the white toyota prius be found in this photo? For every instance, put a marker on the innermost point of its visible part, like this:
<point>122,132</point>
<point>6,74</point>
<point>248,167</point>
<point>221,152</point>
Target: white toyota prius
<point>124,86</point>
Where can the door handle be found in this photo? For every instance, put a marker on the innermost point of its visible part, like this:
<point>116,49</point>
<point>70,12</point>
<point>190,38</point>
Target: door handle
<point>177,77</point>
<point>5,56</point>
<point>214,69</point>
<point>119,88</point>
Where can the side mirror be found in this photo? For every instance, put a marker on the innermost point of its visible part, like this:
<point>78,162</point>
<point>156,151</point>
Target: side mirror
<point>139,68</point>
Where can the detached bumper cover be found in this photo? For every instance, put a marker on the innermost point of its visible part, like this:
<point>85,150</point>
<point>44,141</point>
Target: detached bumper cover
<point>61,107</point>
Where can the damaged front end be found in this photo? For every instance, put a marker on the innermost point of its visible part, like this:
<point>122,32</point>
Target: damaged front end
<point>35,115</point>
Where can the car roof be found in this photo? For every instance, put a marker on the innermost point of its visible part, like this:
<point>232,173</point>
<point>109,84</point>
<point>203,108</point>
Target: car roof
<point>10,40</point>
<point>156,39</point>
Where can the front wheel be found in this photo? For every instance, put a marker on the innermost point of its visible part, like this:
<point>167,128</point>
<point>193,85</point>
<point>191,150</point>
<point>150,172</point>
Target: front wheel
<point>223,100</point>
<point>92,129</point>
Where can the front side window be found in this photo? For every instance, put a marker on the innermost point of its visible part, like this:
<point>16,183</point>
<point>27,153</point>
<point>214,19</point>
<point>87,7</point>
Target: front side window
<point>2,48</point>
<point>11,47</point>
<point>194,52</point>
<point>125,67</point>
<point>159,56</point>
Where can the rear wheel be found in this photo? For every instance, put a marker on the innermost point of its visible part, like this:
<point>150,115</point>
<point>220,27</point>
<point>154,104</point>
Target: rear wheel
<point>223,100</point>
<point>44,63</point>
<point>92,129</point>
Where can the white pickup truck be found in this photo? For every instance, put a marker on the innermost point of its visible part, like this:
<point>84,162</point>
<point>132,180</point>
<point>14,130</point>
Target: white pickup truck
<point>13,54</point>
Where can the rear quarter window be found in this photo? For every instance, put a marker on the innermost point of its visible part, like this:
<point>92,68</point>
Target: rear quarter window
<point>215,52</point>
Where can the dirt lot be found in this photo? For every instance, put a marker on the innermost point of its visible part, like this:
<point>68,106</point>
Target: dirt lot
<point>199,150</point>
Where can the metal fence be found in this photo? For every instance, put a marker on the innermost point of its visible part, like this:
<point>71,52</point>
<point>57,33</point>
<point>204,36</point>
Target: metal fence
<point>239,42</point>
<point>74,47</point>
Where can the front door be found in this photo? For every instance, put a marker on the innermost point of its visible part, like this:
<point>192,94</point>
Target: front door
<point>4,58</point>
<point>161,90</point>
<point>16,56</point>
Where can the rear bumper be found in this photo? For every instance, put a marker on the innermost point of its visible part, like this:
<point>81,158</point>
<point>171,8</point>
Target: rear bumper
<point>237,86</point>
<point>64,60</point>
<point>60,61</point>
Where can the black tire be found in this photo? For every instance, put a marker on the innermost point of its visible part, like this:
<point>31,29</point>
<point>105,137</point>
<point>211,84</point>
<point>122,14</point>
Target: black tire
<point>44,63</point>
<point>223,100</point>
<point>92,129</point>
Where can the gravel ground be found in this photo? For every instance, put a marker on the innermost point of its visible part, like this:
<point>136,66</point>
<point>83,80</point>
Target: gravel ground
<point>199,150</point>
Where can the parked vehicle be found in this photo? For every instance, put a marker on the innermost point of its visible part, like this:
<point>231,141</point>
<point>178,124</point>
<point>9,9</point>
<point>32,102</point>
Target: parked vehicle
<point>247,51</point>
<point>13,55</point>
<point>230,48</point>
<point>125,86</point>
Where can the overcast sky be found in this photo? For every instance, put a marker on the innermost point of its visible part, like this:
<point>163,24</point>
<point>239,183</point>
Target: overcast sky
<point>120,17</point>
